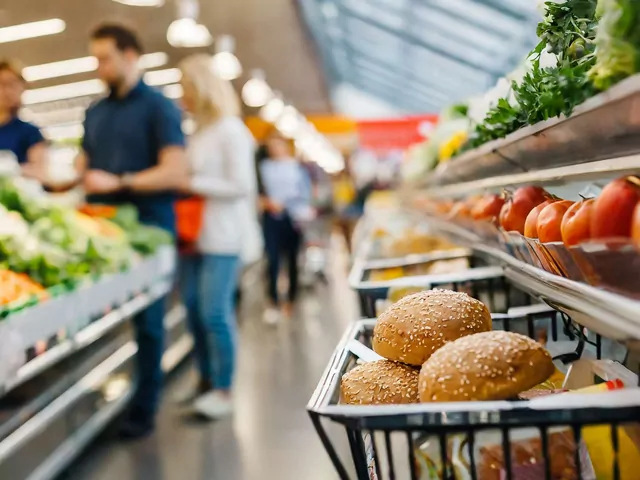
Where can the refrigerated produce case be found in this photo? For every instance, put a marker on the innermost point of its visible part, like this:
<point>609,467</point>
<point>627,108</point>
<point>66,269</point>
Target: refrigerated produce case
<point>75,367</point>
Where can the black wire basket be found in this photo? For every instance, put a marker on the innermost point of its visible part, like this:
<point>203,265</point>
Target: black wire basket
<point>555,437</point>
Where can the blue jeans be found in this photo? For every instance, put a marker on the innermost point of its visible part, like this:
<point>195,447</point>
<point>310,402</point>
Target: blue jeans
<point>149,330</point>
<point>208,284</point>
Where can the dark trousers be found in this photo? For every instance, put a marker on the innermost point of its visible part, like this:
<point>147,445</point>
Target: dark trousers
<point>149,328</point>
<point>282,240</point>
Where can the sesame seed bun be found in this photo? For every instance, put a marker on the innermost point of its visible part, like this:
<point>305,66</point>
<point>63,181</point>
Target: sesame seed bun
<point>378,383</point>
<point>411,330</point>
<point>485,366</point>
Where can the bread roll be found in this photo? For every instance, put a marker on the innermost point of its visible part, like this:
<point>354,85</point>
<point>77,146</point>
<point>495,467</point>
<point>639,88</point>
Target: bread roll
<point>418,325</point>
<point>378,383</point>
<point>485,366</point>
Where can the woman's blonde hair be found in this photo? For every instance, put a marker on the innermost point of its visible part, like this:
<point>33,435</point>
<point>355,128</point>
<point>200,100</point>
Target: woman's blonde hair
<point>214,97</point>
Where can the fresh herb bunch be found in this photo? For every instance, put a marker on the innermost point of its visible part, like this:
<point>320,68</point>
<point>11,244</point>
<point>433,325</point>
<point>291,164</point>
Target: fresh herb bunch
<point>617,42</point>
<point>568,31</point>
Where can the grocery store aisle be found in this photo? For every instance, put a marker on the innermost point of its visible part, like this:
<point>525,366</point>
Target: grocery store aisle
<point>271,436</point>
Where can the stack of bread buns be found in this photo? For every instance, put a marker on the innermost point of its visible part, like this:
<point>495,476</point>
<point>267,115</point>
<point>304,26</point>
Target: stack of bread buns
<point>439,347</point>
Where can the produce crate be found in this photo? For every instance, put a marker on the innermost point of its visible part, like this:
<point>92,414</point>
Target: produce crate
<point>577,436</point>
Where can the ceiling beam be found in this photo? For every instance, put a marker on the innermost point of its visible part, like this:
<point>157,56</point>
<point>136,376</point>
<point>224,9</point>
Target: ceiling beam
<point>504,8</point>
<point>455,84</point>
<point>464,21</point>
<point>413,40</point>
<point>385,91</point>
<point>401,87</point>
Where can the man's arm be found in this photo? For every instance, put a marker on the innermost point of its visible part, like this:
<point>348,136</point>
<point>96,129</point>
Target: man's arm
<point>169,174</point>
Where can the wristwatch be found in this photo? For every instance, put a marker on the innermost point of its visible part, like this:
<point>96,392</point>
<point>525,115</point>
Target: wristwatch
<point>126,181</point>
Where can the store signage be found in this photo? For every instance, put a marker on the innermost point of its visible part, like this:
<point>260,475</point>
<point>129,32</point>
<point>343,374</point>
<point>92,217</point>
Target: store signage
<point>395,134</point>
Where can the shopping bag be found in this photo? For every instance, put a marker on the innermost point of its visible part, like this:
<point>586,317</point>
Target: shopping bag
<point>189,212</point>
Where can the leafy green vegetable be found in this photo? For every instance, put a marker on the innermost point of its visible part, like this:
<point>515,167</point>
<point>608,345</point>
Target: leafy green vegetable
<point>617,42</point>
<point>568,31</point>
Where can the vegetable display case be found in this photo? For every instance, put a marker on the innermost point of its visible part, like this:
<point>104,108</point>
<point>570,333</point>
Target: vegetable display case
<point>67,350</point>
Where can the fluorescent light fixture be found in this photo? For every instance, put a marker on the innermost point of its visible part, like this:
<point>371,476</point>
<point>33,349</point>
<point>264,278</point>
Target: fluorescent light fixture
<point>59,69</point>
<point>23,31</point>
<point>173,91</point>
<point>74,66</point>
<point>141,3</point>
<point>153,60</point>
<point>163,77</point>
<point>63,92</point>
<point>256,92</point>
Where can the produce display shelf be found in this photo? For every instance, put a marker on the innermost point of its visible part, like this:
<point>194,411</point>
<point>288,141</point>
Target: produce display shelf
<point>581,138</point>
<point>85,337</point>
<point>47,442</point>
<point>606,313</point>
<point>594,171</point>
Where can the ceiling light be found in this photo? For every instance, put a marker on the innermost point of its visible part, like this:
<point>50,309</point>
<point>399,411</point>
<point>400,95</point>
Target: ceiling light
<point>60,69</point>
<point>141,3</point>
<point>186,33</point>
<point>173,91</point>
<point>224,63</point>
<point>289,122</point>
<point>31,30</point>
<point>62,92</point>
<point>163,77</point>
<point>153,60</point>
<point>272,110</point>
<point>256,92</point>
<point>74,66</point>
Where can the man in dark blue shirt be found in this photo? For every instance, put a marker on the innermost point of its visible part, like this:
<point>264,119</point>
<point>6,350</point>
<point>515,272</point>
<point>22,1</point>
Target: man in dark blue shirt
<point>22,139</point>
<point>133,152</point>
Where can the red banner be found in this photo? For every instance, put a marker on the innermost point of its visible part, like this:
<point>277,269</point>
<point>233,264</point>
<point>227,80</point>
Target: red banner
<point>395,134</point>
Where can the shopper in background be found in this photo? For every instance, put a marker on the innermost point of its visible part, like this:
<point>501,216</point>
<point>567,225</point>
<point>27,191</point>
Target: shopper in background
<point>221,157</point>
<point>285,202</point>
<point>22,139</point>
<point>133,152</point>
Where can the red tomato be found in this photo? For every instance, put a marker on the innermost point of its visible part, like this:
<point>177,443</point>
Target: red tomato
<point>488,207</point>
<point>635,227</point>
<point>576,223</point>
<point>550,221</point>
<point>514,212</point>
<point>613,209</point>
<point>531,224</point>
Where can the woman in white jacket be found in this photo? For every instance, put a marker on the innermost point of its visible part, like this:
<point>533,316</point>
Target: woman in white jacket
<point>221,156</point>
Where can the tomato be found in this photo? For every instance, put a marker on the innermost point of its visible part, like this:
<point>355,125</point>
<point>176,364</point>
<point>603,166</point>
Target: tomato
<point>488,207</point>
<point>549,222</point>
<point>531,224</point>
<point>460,209</point>
<point>513,214</point>
<point>614,208</point>
<point>635,226</point>
<point>576,223</point>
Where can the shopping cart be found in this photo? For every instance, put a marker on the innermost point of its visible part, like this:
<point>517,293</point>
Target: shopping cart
<point>315,252</point>
<point>555,437</point>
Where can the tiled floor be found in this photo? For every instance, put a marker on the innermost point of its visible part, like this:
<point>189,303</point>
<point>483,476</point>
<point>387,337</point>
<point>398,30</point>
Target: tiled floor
<point>271,436</point>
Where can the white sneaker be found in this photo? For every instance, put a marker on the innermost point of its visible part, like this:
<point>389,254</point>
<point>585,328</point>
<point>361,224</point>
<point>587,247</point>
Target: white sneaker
<point>272,316</point>
<point>213,405</point>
